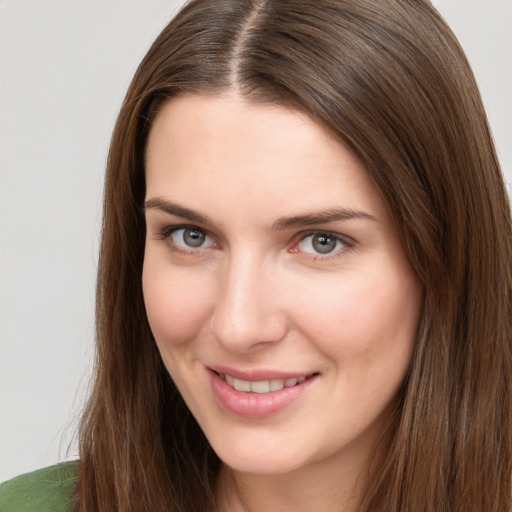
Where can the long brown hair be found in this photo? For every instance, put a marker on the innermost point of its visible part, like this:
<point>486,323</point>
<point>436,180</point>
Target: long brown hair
<point>389,78</point>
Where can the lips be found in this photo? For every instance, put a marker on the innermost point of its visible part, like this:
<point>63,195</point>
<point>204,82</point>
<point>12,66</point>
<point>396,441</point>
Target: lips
<point>257,394</point>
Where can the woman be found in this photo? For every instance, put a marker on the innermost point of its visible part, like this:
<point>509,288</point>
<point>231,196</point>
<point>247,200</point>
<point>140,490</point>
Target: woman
<point>304,285</point>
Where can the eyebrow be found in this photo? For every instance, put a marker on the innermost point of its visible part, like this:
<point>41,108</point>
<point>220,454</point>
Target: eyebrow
<point>176,209</point>
<point>321,217</point>
<point>308,219</point>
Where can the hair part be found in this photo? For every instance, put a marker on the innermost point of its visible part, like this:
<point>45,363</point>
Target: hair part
<point>390,80</point>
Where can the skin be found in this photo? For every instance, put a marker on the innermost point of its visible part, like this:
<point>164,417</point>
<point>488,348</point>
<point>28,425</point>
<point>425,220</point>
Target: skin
<point>257,295</point>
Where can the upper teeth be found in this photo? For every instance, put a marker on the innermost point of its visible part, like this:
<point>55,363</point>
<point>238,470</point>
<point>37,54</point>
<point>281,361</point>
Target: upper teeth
<point>262,386</point>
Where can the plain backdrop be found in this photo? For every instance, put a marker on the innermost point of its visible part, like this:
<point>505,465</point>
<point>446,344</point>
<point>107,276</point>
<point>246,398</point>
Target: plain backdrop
<point>64,68</point>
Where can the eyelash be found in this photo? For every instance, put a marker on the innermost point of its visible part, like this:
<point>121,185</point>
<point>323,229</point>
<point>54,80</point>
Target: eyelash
<point>347,242</point>
<point>167,232</point>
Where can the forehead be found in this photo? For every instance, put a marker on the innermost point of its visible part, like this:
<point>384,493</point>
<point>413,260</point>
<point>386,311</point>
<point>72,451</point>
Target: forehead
<point>211,149</point>
<point>213,122</point>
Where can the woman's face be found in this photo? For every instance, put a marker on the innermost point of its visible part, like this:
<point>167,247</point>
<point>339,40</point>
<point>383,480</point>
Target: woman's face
<point>275,283</point>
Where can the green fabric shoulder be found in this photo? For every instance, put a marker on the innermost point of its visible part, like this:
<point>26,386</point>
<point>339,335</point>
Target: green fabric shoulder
<point>46,490</point>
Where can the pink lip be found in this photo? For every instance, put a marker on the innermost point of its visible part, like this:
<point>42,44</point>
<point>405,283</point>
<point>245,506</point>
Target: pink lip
<point>255,405</point>
<point>255,375</point>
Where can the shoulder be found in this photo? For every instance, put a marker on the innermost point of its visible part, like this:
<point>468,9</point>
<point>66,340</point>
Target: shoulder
<point>46,490</point>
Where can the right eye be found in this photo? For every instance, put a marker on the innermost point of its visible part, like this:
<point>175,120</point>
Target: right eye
<point>191,238</point>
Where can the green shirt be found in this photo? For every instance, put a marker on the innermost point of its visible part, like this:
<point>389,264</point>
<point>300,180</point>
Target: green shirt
<point>46,490</point>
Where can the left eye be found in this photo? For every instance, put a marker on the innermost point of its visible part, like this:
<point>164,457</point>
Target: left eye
<point>191,238</point>
<point>321,243</point>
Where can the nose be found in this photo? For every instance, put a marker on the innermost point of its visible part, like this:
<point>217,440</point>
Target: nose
<point>248,313</point>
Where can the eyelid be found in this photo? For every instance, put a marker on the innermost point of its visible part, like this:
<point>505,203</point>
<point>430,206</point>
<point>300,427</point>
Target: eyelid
<point>165,234</point>
<point>171,228</point>
<point>347,241</point>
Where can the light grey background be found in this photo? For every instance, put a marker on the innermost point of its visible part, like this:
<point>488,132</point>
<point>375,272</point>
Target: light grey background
<point>64,68</point>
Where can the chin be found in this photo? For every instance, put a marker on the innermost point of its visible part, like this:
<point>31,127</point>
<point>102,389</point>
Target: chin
<point>258,458</point>
<point>256,464</point>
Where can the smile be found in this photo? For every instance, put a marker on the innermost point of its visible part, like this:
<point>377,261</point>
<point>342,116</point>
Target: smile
<point>261,393</point>
<point>262,386</point>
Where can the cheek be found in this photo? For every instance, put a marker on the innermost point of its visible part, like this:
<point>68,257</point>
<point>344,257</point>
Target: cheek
<point>366,316</point>
<point>177,304</point>
<point>384,314</point>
